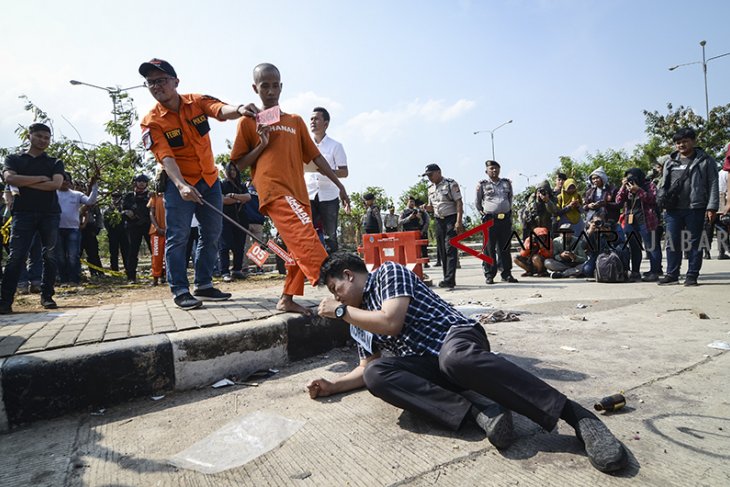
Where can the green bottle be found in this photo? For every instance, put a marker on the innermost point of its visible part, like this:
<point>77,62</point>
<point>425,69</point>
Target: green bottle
<point>611,403</point>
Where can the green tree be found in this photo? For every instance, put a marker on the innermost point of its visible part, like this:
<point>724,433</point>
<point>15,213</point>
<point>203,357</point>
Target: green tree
<point>350,224</point>
<point>712,137</point>
<point>115,165</point>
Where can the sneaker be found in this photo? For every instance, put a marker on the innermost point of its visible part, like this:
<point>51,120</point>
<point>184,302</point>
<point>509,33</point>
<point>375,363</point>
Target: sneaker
<point>48,303</point>
<point>634,276</point>
<point>5,309</point>
<point>690,281</point>
<point>557,275</point>
<point>35,288</point>
<point>509,279</point>
<point>211,294</point>
<point>489,280</point>
<point>447,284</point>
<point>227,278</point>
<point>604,451</point>
<point>499,428</point>
<point>668,281</point>
<point>187,301</point>
<point>649,277</point>
<point>239,274</point>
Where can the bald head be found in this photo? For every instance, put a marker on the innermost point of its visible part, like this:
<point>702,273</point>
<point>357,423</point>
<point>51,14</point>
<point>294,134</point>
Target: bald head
<point>264,69</point>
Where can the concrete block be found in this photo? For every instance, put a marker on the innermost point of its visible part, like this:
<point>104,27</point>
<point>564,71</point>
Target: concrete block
<point>201,357</point>
<point>52,383</point>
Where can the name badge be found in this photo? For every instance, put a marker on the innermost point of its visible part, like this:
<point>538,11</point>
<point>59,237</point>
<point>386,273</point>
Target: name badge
<point>362,337</point>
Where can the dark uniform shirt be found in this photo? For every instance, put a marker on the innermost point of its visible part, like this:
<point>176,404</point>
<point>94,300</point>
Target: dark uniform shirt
<point>31,199</point>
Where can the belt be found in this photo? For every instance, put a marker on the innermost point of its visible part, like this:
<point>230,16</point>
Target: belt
<point>498,216</point>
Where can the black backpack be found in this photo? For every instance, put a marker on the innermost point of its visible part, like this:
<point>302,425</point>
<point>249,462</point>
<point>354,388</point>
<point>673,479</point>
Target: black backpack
<point>610,268</point>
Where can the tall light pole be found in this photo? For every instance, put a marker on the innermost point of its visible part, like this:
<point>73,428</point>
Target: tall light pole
<point>704,71</point>
<point>528,178</point>
<point>114,93</point>
<point>491,134</point>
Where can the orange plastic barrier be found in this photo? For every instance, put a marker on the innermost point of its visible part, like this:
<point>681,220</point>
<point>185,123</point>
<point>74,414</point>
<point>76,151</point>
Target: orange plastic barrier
<point>401,247</point>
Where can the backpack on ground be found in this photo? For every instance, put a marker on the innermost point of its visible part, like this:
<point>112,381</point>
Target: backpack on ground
<point>610,268</point>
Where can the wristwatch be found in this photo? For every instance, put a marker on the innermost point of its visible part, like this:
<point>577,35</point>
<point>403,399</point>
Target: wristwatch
<point>340,311</point>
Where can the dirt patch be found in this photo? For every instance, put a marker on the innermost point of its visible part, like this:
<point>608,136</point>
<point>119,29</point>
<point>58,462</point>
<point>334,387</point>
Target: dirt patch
<point>108,290</point>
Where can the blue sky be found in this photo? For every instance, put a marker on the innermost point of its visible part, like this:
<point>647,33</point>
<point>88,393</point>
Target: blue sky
<point>407,82</point>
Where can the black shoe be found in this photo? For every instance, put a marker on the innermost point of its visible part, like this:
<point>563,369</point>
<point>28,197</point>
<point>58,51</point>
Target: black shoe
<point>723,256</point>
<point>35,289</point>
<point>650,277</point>
<point>668,281</point>
<point>604,451</point>
<point>499,428</point>
<point>5,309</point>
<point>426,265</point>
<point>447,284</point>
<point>634,277</point>
<point>211,294</point>
<point>187,301</point>
<point>509,279</point>
<point>690,281</point>
<point>557,275</point>
<point>48,303</point>
<point>707,255</point>
<point>489,280</point>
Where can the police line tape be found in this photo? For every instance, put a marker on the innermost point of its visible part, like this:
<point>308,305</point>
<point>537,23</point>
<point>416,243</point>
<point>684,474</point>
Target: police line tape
<point>101,269</point>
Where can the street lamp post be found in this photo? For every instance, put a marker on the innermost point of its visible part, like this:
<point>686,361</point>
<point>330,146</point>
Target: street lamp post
<point>114,93</point>
<point>491,134</point>
<point>704,71</point>
<point>528,178</point>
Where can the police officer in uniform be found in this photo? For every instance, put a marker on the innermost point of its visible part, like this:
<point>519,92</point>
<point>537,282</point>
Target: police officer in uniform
<point>494,202</point>
<point>444,200</point>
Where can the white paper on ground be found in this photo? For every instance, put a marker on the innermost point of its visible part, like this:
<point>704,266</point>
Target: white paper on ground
<point>719,345</point>
<point>237,443</point>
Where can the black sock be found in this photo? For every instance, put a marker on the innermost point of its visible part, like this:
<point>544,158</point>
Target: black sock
<point>573,412</point>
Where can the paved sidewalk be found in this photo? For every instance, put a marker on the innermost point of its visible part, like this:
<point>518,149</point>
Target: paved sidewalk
<point>32,332</point>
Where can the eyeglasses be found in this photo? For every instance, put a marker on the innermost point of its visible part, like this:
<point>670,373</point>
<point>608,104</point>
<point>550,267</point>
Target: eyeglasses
<point>157,81</point>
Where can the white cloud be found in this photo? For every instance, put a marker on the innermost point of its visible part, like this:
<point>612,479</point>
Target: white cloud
<point>384,124</point>
<point>579,152</point>
<point>302,104</point>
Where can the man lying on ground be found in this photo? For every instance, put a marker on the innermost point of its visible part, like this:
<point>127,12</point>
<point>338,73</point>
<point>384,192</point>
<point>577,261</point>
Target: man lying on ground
<point>438,353</point>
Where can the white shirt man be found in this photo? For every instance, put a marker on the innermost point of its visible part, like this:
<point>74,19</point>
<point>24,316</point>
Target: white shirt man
<point>323,193</point>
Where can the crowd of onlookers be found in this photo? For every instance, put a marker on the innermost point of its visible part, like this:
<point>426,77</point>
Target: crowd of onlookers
<point>606,231</point>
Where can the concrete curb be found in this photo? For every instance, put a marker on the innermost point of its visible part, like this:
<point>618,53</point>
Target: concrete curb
<point>48,384</point>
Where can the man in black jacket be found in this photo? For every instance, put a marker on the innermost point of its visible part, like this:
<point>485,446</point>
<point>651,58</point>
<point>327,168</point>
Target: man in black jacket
<point>689,194</point>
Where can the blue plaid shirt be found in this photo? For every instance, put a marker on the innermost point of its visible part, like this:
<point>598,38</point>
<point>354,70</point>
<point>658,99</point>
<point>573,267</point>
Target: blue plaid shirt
<point>428,318</point>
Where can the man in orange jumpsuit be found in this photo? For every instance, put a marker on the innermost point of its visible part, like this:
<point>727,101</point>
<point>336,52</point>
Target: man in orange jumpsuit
<point>277,154</point>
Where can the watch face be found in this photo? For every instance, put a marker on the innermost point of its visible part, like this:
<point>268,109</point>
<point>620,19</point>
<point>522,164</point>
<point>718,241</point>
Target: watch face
<point>340,311</point>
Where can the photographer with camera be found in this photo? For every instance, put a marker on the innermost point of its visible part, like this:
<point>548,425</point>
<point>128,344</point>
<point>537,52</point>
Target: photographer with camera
<point>639,220</point>
<point>539,210</point>
<point>689,193</point>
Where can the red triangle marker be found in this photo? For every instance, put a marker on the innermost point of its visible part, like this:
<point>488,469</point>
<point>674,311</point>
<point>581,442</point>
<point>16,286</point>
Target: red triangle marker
<point>484,228</point>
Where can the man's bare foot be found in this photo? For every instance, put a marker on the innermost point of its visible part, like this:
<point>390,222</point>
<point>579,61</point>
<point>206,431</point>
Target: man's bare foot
<point>286,303</point>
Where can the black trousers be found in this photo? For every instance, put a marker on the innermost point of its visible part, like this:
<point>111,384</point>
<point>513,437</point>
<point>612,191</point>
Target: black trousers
<point>90,246</point>
<point>445,231</point>
<point>432,385</point>
<point>498,247</point>
<point>118,243</point>
<point>136,234</point>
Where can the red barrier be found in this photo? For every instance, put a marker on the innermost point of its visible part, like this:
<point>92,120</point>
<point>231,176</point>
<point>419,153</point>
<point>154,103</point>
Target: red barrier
<point>401,247</point>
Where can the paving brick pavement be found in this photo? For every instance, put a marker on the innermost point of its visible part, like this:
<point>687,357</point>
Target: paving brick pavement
<point>23,333</point>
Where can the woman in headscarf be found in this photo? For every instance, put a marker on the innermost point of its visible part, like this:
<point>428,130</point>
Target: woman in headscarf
<point>600,198</point>
<point>569,206</point>
<point>639,220</point>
